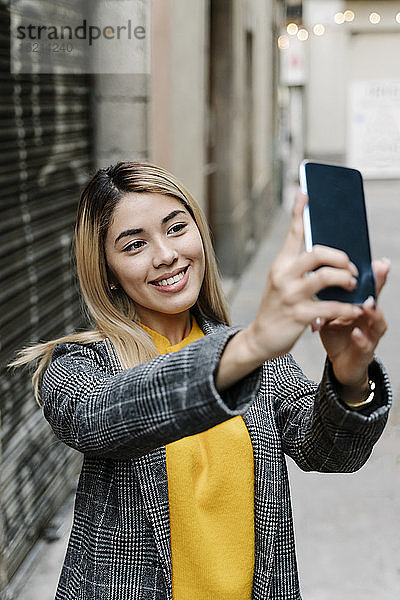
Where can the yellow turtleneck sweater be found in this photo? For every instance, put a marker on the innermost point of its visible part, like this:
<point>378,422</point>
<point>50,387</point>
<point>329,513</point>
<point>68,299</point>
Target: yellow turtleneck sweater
<point>211,505</point>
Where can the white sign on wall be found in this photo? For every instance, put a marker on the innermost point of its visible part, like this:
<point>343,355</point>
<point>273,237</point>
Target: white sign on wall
<point>374,128</point>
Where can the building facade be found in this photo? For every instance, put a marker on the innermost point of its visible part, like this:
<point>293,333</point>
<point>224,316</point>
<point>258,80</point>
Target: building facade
<point>207,111</point>
<point>353,86</point>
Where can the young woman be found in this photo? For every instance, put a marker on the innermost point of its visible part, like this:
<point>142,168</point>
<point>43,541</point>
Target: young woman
<point>184,421</point>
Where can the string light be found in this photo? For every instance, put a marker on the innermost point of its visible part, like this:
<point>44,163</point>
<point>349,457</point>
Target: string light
<point>319,29</point>
<point>292,29</point>
<point>302,35</point>
<point>348,15</point>
<point>339,18</point>
<point>283,42</point>
<point>374,18</point>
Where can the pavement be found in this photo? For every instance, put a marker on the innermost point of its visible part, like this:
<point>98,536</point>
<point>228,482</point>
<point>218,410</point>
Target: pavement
<point>347,526</point>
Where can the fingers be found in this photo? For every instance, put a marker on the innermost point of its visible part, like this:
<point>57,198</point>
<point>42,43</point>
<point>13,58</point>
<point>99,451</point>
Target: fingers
<point>319,313</point>
<point>328,277</point>
<point>337,270</point>
<point>323,255</point>
<point>381,270</point>
<point>317,324</point>
<point>297,275</point>
<point>367,332</point>
<point>294,239</point>
<point>366,339</point>
<point>374,319</point>
<point>366,329</point>
<point>361,341</point>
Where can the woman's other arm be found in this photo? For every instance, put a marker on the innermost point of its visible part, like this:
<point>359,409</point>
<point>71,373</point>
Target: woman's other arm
<point>318,431</point>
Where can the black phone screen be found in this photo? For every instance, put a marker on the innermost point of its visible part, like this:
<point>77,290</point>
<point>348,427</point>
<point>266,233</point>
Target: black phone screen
<point>337,218</point>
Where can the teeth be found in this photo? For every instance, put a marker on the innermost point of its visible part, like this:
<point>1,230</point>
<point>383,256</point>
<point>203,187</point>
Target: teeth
<point>171,280</point>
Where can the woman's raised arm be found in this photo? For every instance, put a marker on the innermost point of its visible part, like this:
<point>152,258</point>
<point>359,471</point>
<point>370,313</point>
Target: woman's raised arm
<point>135,411</point>
<point>288,306</point>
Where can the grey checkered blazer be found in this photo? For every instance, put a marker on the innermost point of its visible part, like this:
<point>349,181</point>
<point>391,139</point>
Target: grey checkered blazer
<point>121,420</point>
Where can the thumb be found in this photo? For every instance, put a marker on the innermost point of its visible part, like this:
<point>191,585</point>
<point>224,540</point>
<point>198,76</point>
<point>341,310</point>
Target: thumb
<point>295,236</point>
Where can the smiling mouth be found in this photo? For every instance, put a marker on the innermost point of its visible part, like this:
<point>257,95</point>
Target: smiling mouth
<point>170,280</point>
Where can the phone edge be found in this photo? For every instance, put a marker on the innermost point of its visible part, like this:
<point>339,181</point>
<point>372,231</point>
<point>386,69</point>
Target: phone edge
<point>306,211</point>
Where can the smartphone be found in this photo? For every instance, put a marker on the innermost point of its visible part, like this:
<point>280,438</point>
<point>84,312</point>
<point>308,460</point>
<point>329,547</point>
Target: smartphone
<point>335,216</point>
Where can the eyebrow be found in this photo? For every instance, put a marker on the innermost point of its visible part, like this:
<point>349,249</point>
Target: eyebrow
<point>129,232</point>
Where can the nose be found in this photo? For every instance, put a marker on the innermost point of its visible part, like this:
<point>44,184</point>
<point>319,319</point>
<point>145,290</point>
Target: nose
<point>165,253</point>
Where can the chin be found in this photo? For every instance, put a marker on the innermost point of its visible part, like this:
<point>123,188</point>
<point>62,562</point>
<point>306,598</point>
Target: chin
<point>173,306</point>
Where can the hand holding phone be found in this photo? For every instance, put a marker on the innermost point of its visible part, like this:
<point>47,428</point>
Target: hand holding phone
<point>335,216</point>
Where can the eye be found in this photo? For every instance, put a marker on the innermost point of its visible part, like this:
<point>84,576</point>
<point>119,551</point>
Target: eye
<point>177,227</point>
<point>133,246</point>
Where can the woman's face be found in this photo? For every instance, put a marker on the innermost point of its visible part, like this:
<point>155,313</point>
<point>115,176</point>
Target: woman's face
<point>155,253</point>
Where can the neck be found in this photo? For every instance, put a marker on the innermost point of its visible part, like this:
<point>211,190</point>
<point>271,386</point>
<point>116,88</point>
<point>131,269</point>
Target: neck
<point>174,327</point>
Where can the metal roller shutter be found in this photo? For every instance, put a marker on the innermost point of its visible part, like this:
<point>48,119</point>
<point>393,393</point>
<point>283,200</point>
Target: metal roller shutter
<point>44,159</point>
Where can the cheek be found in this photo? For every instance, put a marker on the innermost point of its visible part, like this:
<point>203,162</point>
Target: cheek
<point>198,253</point>
<point>196,241</point>
<point>203,260</point>
<point>193,248</point>
<point>127,272</point>
<point>112,264</point>
<point>201,252</point>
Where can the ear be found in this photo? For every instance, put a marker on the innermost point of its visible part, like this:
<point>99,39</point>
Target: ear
<point>113,282</point>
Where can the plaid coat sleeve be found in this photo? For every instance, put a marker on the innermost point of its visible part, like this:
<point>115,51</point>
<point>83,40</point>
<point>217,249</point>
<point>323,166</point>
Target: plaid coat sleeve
<point>131,413</point>
<point>317,430</point>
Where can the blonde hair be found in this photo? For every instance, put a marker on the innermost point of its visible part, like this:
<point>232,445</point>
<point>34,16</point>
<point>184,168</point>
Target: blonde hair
<point>113,311</point>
